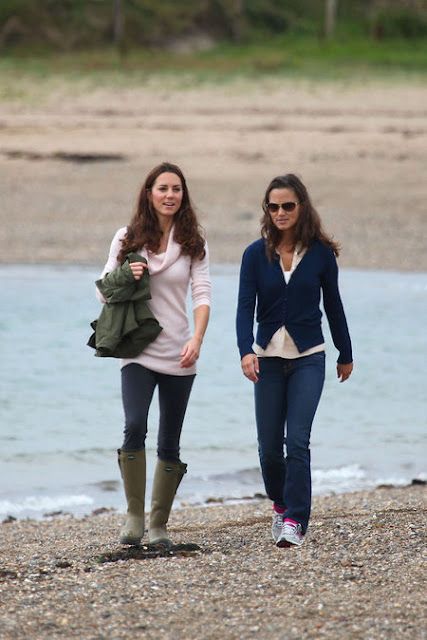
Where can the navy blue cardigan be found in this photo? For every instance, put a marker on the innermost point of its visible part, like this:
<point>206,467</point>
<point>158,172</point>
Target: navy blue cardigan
<point>294,305</point>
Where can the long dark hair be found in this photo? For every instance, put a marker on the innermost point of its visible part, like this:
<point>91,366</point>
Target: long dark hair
<point>144,228</point>
<point>308,227</point>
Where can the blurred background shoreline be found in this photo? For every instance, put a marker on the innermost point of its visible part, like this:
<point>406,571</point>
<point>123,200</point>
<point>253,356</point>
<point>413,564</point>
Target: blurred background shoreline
<point>71,166</point>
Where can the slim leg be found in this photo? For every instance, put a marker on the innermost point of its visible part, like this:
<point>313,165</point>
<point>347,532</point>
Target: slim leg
<point>305,384</point>
<point>138,384</point>
<point>174,393</point>
<point>270,412</point>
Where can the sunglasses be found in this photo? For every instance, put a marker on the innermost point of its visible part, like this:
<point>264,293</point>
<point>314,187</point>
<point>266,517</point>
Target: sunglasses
<point>286,206</point>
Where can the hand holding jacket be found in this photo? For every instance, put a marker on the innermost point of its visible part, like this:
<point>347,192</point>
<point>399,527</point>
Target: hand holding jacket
<point>126,325</point>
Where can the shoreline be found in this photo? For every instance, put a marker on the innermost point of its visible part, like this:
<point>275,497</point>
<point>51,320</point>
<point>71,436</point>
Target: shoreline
<point>208,502</point>
<point>359,574</point>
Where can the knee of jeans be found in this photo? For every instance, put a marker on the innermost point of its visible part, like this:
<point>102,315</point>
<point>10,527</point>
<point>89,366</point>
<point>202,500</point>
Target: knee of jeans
<point>270,457</point>
<point>298,450</point>
<point>134,434</point>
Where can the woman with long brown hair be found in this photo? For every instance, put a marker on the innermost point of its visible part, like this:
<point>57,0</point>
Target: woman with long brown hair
<point>283,275</point>
<point>165,232</point>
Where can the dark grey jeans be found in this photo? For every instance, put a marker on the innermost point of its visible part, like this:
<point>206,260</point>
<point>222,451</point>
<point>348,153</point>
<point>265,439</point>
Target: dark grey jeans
<point>138,385</point>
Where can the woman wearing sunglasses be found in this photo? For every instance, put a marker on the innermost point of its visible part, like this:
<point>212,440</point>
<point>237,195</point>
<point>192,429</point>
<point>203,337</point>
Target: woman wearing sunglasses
<point>283,275</point>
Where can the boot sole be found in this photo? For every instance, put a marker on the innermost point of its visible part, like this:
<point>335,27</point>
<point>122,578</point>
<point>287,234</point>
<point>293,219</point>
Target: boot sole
<point>162,541</point>
<point>282,544</point>
<point>133,542</point>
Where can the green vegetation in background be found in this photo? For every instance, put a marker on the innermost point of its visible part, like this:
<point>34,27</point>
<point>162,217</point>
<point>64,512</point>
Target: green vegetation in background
<point>81,24</point>
<point>271,38</point>
<point>276,56</point>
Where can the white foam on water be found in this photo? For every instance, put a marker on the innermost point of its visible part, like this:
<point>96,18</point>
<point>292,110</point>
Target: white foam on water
<point>341,479</point>
<point>43,503</point>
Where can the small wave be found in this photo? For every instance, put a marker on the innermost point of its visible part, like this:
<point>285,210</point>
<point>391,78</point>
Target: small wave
<point>340,473</point>
<point>337,474</point>
<point>72,455</point>
<point>340,479</point>
<point>236,484</point>
<point>43,503</point>
<point>242,476</point>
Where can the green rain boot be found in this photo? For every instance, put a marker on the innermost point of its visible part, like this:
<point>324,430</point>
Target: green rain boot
<point>132,468</point>
<point>167,478</point>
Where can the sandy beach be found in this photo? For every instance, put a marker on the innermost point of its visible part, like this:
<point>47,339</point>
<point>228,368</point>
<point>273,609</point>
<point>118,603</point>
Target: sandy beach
<point>72,158</point>
<point>360,574</point>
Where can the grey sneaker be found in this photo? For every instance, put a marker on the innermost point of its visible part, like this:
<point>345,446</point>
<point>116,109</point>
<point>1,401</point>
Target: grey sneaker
<point>277,525</point>
<point>291,534</point>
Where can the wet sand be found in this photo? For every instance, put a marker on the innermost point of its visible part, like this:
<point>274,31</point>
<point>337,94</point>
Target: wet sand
<point>72,161</point>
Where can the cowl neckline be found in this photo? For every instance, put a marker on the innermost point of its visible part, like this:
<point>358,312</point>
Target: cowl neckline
<point>162,261</point>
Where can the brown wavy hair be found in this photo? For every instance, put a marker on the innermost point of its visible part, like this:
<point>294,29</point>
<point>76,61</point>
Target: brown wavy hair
<point>308,227</point>
<point>144,228</point>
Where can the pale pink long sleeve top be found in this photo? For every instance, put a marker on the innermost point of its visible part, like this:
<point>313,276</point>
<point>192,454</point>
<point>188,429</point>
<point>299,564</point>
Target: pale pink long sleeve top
<point>171,274</point>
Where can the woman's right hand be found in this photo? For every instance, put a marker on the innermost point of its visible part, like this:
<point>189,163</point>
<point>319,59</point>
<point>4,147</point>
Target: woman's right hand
<point>250,366</point>
<point>138,269</point>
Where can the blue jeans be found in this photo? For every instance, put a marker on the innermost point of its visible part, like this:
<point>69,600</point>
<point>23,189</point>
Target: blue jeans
<point>287,395</point>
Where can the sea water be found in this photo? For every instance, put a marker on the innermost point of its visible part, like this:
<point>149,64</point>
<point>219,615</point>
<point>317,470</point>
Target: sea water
<point>61,417</point>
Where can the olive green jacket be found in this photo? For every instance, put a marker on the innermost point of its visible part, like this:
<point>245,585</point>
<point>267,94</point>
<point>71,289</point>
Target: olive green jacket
<point>126,325</point>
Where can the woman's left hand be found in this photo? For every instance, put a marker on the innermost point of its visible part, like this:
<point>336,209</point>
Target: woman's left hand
<point>344,371</point>
<point>190,352</point>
